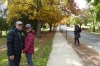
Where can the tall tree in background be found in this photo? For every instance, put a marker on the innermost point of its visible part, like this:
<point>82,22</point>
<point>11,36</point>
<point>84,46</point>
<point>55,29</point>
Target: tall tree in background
<point>3,25</point>
<point>39,6</point>
<point>95,11</point>
<point>49,13</point>
<point>70,8</point>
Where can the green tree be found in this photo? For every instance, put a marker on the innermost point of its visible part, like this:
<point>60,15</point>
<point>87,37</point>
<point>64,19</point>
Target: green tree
<point>3,25</point>
<point>95,11</point>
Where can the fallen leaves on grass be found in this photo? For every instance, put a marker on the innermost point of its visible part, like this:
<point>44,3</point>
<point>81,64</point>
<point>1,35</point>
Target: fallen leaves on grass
<point>43,48</point>
<point>3,41</point>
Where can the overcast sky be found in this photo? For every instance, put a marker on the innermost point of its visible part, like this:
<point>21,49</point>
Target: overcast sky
<point>81,3</point>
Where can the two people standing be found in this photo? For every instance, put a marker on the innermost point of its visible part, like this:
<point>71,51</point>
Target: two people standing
<point>18,42</point>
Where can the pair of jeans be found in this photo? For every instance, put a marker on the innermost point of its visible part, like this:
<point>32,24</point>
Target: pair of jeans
<point>14,62</point>
<point>29,59</point>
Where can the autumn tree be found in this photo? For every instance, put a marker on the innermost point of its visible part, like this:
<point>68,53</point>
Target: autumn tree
<point>50,15</point>
<point>26,10</point>
<point>43,11</point>
<point>17,8</point>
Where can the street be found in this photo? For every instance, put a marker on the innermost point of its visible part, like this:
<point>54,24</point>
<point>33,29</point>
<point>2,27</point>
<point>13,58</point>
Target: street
<point>91,40</point>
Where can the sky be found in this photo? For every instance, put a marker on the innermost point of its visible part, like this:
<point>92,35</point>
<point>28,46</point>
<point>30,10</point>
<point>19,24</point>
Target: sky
<point>81,3</point>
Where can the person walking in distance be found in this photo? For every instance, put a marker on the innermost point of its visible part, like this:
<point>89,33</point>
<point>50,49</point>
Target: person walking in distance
<point>29,44</point>
<point>15,39</point>
<point>77,31</point>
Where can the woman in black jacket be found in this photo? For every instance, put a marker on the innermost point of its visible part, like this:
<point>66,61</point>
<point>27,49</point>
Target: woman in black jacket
<point>77,31</point>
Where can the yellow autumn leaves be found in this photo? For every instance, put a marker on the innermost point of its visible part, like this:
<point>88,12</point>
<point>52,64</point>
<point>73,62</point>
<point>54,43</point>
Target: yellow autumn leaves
<point>18,7</point>
<point>46,13</point>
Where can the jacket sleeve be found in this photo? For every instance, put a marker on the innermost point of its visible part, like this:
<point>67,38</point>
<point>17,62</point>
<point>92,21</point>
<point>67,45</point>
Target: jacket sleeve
<point>29,43</point>
<point>10,38</point>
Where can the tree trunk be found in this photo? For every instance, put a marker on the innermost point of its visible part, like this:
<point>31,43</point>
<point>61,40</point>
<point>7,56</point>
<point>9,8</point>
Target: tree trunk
<point>94,21</point>
<point>1,33</point>
<point>54,27</point>
<point>39,29</point>
<point>50,27</point>
<point>6,32</point>
<point>93,27</point>
<point>80,25</point>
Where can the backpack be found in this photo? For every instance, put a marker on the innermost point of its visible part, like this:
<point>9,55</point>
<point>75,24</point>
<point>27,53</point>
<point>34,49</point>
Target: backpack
<point>80,30</point>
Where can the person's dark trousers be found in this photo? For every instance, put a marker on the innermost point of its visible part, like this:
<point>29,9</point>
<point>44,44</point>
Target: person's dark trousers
<point>77,40</point>
<point>29,59</point>
<point>14,62</point>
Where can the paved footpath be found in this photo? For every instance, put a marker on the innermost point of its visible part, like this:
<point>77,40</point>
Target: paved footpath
<point>62,53</point>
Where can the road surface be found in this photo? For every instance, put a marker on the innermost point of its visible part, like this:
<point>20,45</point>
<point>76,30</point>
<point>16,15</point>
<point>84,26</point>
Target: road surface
<point>91,40</point>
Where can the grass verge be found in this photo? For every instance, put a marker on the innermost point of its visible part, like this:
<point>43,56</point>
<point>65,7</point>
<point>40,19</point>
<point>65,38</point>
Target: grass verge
<point>41,55</point>
<point>2,41</point>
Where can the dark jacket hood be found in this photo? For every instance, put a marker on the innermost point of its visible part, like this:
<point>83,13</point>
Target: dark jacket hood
<point>14,28</point>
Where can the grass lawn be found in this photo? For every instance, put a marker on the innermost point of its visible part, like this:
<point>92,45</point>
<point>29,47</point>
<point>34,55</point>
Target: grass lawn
<point>2,40</point>
<point>97,30</point>
<point>43,47</point>
<point>4,33</point>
